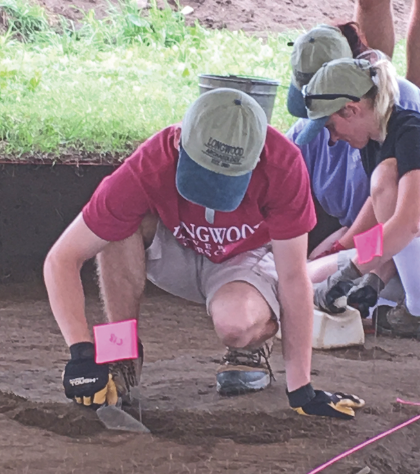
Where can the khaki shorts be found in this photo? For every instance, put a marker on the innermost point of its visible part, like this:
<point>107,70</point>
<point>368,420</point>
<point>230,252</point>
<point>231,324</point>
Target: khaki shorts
<point>184,273</point>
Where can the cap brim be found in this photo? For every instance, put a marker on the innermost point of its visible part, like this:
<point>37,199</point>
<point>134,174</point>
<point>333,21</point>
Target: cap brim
<point>296,102</point>
<point>207,188</point>
<point>310,131</point>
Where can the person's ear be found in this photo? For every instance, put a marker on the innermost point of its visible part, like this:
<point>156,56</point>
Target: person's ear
<point>177,137</point>
<point>351,110</point>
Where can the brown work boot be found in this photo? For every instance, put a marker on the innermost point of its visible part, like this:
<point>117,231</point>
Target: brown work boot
<point>126,375</point>
<point>380,320</point>
<point>402,322</point>
<point>242,371</point>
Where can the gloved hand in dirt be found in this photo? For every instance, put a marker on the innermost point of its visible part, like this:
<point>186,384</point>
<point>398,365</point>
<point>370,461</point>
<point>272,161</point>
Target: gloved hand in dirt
<point>87,382</point>
<point>331,294</point>
<point>307,401</point>
<point>365,293</point>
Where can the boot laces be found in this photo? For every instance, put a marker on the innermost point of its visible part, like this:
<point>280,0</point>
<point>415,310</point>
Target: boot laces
<point>250,358</point>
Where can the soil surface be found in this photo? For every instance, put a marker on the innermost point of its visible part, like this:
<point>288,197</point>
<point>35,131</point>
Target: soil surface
<point>193,429</point>
<point>258,16</point>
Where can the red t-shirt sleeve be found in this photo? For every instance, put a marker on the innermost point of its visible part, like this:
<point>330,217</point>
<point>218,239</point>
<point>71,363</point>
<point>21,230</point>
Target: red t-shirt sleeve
<point>119,204</point>
<point>290,211</point>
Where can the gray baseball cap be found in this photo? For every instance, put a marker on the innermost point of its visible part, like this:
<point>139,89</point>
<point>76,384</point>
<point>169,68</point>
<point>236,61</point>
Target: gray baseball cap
<point>333,86</point>
<point>311,50</point>
<point>222,136</point>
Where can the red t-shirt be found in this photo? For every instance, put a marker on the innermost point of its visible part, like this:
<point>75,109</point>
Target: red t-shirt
<point>277,205</point>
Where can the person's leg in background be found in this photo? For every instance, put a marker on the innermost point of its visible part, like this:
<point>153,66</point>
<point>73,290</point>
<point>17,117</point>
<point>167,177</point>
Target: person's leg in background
<point>413,44</point>
<point>376,21</point>
<point>326,226</point>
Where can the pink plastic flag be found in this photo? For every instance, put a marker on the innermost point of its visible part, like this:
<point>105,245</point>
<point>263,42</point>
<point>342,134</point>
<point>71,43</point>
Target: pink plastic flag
<point>370,244</point>
<point>116,341</point>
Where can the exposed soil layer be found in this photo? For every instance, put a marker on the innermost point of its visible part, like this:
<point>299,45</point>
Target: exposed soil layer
<point>37,202</point>
<point>193,429</point>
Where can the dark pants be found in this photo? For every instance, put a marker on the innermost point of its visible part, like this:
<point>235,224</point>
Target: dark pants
<point>325,226</point>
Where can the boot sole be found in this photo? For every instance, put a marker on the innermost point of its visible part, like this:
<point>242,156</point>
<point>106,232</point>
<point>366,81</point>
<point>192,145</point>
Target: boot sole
<point>389,332</point>
<point>237,386</point>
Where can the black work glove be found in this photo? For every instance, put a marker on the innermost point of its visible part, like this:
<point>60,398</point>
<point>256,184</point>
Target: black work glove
<point>365,293</point>
<point>307,401</point>
<point>331,294</point>
<point>87,382</point>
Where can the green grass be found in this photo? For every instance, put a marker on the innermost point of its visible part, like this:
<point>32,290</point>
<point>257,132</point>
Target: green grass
<point>110,84</point>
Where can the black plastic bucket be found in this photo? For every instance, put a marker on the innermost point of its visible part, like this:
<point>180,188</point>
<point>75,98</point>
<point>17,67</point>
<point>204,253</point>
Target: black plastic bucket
<point>262,90</point>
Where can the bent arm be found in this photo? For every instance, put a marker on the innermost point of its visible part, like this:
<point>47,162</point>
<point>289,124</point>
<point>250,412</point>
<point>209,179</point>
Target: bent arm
<point>365,220</point>
<point>404,225</point>
<point>296,297</point>
<point>62,278</point>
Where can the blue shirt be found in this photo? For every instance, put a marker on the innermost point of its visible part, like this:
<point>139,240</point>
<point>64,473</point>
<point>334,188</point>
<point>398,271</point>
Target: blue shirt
<point>338,179</point>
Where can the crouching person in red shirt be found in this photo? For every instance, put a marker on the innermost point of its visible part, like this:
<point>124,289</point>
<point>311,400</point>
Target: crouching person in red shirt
<point>215,210</point>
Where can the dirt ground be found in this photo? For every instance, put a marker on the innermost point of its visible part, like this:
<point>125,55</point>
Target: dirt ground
<point>193,429</point>
<point>258,16</point>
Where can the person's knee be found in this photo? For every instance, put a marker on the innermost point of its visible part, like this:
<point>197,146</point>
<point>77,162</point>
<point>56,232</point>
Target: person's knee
<point>385,178</point>
<point>239,314</point>
<point>234,333</point>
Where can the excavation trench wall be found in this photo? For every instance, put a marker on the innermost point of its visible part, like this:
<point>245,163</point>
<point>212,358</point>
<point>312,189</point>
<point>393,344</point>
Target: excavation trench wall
<point>37,202</point>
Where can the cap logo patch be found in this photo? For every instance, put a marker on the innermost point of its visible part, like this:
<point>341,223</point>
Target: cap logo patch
<point>222,154</point>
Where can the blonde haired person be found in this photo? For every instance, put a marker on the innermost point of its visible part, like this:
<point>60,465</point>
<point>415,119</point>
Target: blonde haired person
<point>338,181</point>
<point>356,102</point>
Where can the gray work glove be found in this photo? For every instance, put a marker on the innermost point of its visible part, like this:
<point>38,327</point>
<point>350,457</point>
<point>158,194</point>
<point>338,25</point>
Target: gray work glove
<point>365,293</point>
<point>331,294</point>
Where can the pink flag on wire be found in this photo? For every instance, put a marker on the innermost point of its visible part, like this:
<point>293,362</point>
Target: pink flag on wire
<point>370,244</point>
<point>116,341</point>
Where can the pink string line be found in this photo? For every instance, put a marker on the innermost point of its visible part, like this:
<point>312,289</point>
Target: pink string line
<point>369,441</point>
<point>408,403</point>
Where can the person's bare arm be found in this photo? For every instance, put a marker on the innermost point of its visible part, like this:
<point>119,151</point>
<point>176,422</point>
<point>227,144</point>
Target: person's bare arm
<point>365,220</point>
<point>296,297</point>
<point>404,225</point>
<point>376,21</point>
<point>413,42</point>
<point>62,278</point>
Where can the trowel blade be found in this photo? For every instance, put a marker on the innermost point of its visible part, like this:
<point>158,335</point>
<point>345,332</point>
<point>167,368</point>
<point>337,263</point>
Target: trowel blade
<point>115,418</point>
<point>135,401</point>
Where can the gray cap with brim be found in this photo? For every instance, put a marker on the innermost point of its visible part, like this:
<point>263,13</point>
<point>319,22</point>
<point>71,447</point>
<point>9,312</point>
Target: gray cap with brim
<point>348,79</point>
<point>311,50</point>
<point>296,103</point>
<point>222,136</point>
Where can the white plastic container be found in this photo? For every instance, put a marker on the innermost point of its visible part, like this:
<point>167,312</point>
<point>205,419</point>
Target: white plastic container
<point>341,330</point>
